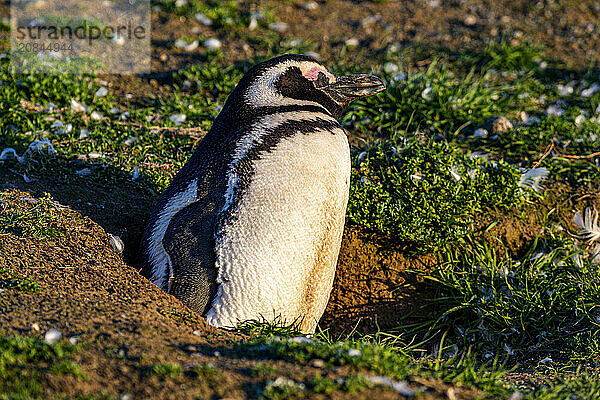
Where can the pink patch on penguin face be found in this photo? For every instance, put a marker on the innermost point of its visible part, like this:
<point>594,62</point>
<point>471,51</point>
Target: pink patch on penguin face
<point>313,74</point>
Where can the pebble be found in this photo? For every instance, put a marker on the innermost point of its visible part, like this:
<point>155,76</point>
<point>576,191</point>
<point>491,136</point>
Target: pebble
<point>164,57</point>
<point>470,20</point>
<point>555,110</point>
<point>126,396</point>
<point>280,27</point>
<point>317,363</point>
<point>73,340</point>
<point>96,115</point>
<point>197,333</point>
<point>352,42</point>
<point>399,76</point>
<point>178,119</point>
<point>52,336</point>
<point>203,19</point>
<point>131,140</point>
<point>427,93</point>
<point>101,92</point>
<point>516,396</point>
<point>354,352</point>
<point>253,24</point>
<point>300,339</point>
<point>35,327</point>
<point>481,133</point>
<point>212,44</point>
<point>400,387</point>
<point>309,5</point>
<point>564,90</point>
<point>390,68</point>
<point>580,119</point>
<point>589,92</point>
<point>182,44</point>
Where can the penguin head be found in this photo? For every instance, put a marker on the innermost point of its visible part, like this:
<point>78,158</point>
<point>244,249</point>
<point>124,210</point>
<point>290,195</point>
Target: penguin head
<point>301,80</point>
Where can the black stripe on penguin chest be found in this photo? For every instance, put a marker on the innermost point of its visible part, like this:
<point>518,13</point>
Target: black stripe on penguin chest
<point>270,139</point>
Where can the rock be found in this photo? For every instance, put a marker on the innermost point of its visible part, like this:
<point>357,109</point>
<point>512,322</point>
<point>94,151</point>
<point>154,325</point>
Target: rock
<point>390,68</point>
<point>35,327</point>
<point>354,352</point>
<point>212,44</point>
<point>309,5</point>
<point>203,19</point>
<point>470,20</point>
<point>481,133</point>
<point>182,44</point>
<point>317,363</point>
<point>313,54</point>
<point>427,93</point>
<point>52,336</point>
<point>101,92</point>
<point>352,42</point>
<point>497,125</point>
<point>177,119</point>
<point>280,27</point>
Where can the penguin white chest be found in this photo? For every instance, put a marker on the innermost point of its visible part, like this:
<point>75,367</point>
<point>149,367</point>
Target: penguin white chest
<point>277,254</point>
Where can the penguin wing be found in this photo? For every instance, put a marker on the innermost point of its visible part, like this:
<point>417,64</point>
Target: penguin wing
<point>189,242</point>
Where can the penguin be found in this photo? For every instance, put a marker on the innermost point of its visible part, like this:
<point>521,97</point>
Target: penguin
<point>250,228</point>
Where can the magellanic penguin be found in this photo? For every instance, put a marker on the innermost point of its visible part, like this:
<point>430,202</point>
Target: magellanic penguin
<point>251,226</point>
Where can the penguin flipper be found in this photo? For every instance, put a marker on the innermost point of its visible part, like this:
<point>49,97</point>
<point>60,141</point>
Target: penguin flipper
<point>189,241</point>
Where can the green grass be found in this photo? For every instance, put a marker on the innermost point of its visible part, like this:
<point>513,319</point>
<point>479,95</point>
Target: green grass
<point>542,304</point>
<point>24,361</point>
<point>10,280</point>
<point>165,370</point>
<point>38,218</point>
<point>428,193</point>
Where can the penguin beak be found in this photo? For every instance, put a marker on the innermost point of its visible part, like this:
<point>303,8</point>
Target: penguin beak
<point>350,87</point>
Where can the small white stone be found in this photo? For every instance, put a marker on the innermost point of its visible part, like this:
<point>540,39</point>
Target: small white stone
<point>212,44</point>
<point>280,27</point>
<point>589,92</point>
<point>197,333</point>
<point>352,42</point>
<point>564,90</point>
<point>555,109</point>
<point>97,116</point>
<point>182,44</point>
<point>390,68</point>
<point>427,93</point>
<point>481,133</point>
<point>399,76</point>
<point>253,24</point>
<point>177,119</point>
<point>77,106</point>
<point>300,339</point>
<point>354,352</point>
<point>217,354</point>
<point>309,5</point>
<point>52,336</point>
<point>470,20</point>
<point>101,92</point>
<point>434,3</point>
<point>203,19</point>
<point>580,119</point>
<point>35,327</point>
<point>598,109</point>
<point>126,396</point>
<point>131,141</point>
<point>73,340</point>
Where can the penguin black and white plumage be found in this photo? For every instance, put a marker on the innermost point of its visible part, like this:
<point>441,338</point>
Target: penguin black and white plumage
<point>251,226</point>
